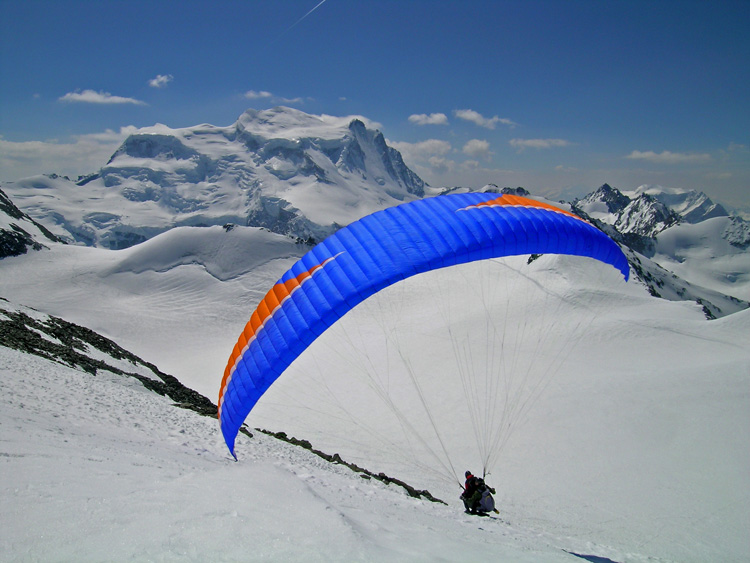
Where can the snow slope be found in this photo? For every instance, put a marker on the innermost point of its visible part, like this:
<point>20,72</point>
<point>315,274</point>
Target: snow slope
<point>177,300</point>
<point>95,470</point>
<point>638,448</point>
<point>645,422</point>
<point>701,252</point>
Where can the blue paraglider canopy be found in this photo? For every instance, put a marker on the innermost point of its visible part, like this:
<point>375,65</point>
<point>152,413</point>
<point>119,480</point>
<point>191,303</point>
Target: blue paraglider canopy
<point>378,251</point>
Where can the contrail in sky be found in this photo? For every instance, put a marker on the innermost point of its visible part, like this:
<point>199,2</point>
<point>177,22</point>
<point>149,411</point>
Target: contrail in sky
<point>288,29</point>
<point>318,5</point>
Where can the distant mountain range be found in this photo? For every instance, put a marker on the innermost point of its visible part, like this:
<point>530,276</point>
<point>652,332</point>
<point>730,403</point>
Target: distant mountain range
<point>650,210</point>
<point>681,244</point>
<point>304,176</point>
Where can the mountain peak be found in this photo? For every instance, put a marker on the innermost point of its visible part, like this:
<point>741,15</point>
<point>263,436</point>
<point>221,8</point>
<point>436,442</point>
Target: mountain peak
<point>614,200</point>
<point>288,123</point>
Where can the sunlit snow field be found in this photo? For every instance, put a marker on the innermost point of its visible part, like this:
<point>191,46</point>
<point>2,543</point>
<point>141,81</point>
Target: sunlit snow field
<point>636,446</point>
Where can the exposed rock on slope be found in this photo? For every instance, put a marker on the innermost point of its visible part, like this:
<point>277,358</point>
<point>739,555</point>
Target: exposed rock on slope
<point>18,231</point>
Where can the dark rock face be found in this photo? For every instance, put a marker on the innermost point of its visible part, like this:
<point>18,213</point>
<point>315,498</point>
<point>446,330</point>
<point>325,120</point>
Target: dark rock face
<point>69,344</point>
<point>15,239</point>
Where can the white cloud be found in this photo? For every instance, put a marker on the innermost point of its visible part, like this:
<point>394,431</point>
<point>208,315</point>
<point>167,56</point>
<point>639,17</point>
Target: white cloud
<point>85,154</point>
<point>522,144</point>
<point>566,169</point>
<point>719,176</point>
<point>290,100</point>
<point>432,119</point>
<point>477,148</point>
<point>668,157</point>
<point>161,80</point>
<point>737,147</point>
<point>264,95</point>
<point>441,165</point>
<point>93,97</point>
<point>478,119</point>
<point>422,150</point>
<point>426,158</point>
<point>253,95</point>
<point>108,136</point>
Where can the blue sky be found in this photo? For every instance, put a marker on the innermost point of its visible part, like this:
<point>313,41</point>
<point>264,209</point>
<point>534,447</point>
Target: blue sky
<point>557,96</point>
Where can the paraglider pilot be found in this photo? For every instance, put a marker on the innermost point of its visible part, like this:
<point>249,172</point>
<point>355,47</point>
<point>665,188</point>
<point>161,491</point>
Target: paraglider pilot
<point>477,496</point>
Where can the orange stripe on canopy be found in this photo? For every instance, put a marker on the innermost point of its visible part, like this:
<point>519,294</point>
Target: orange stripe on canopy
<point>267,306</point>
<point>520,201</point>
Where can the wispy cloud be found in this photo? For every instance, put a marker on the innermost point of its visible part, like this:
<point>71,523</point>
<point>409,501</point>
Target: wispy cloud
<point>423,149</point>
<point>478,119</point>
<point>93,97</point>
<point>477,148</point>
<point>160,81</point>
<point>431,119</point>
<point>668,157</point>
<point>264,95</point>
<point>566,169</point>
<point>523,144</point>
<point>441,165</point>
<point>255,95</point>
<point>84,154</point>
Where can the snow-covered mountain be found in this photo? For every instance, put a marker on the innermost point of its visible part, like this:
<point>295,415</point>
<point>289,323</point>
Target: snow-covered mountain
<point>682,231</point>
<point>294,173</point>
<point>692,206</point>
<point>643,215</point>
<point>692,262</point>
<point>57,340</point>
<point>649,210</point>
<point>305,175</point>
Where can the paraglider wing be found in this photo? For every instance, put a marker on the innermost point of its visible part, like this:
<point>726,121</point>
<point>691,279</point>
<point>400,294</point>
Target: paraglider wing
<point>377,251</point>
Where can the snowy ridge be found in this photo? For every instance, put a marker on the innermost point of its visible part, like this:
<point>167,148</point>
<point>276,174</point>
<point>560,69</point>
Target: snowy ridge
<point>664,284</point>
<point>225,253</point>
<point>55,339</point>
